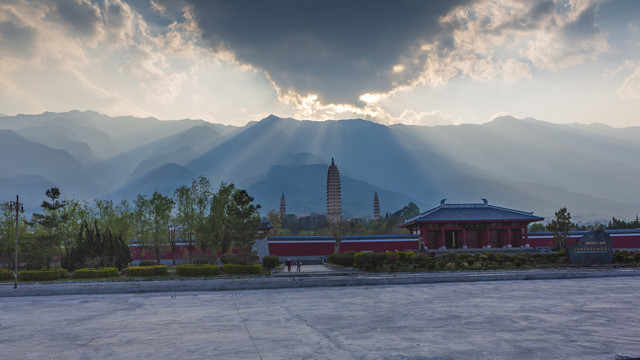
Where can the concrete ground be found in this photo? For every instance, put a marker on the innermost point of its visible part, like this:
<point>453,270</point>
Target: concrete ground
<point>537,319</point>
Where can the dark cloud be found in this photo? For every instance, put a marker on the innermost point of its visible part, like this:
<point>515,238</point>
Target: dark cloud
<point>337,49</point>
<point>17,40</point>
<point>81,17</point>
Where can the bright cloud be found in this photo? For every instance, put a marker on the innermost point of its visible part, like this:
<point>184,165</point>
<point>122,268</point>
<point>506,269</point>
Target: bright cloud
<point>392,62</point>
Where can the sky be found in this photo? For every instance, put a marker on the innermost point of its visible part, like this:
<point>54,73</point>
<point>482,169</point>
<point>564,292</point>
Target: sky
<point>415,62</point>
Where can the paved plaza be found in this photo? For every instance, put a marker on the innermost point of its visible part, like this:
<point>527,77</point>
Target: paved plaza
<point>537,319</point>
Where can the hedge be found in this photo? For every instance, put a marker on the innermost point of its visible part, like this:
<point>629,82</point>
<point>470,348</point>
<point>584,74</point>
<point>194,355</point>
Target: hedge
<point>42,275</point>
<point>197,270</point>
<point>147,270</point>
<point>234,269</point>
<point>87,273</point>
<point>345,259</point>
<point>270,261</point>
<point>229,258</point>
<point>6,274</point>
<point>147,263</point>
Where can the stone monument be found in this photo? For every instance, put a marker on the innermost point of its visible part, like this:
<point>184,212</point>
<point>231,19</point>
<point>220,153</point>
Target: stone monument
<point>593,248</point>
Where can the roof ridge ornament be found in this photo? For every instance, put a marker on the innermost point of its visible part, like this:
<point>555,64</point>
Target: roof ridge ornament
<point>442,201</point>
<point>485,201</point>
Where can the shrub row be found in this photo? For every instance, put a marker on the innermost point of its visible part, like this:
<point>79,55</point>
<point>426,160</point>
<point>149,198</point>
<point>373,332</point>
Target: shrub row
<point>197,270</point>
<point>87,273</point>
<point>155,270</point>
<point>234,269</point>
<point>626,256</point>
<point>6,274</point>
<point>270,261</point>
<point>147,263</point>
<point>344,259</point>
<point>42,275</point>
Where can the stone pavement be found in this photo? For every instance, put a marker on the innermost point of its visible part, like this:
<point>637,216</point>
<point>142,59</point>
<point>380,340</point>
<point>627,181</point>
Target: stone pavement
<point>588,319</point>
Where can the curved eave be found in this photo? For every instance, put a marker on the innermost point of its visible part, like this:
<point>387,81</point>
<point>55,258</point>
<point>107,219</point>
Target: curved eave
<point>417,222</point>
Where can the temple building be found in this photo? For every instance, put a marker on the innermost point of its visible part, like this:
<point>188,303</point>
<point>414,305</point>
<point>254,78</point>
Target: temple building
<point>283,207</point>
<point>334,197</point>
<point>376,207</point>
<point>461,226</point>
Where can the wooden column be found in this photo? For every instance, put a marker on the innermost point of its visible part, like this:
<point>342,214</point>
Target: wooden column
<point>526,234</point>
<point>464,238</point>
<point>441,239</point>
<point>487,236</point>
<point>508,236</point>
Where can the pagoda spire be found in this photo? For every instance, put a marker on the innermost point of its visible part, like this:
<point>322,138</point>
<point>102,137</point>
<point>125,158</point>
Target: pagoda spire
<point>376,207</point>
<point>334,196</point>
<point>283,207</point>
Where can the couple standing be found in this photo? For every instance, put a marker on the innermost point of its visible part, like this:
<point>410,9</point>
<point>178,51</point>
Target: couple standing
<point>288,264</point>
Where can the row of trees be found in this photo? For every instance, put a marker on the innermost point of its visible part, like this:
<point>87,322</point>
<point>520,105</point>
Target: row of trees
<point>319,224</point>
<point>195,214</point>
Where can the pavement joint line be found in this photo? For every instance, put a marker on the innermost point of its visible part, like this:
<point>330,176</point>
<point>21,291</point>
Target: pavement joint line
<point>279,282</point>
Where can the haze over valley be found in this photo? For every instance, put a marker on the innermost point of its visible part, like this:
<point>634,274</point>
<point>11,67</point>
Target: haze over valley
<point>519,163</point>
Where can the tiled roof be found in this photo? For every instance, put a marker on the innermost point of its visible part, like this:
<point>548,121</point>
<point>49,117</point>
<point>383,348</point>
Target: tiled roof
<point>472,212</point>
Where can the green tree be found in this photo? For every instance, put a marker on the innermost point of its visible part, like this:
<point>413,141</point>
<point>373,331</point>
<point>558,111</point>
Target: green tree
<point>537,227</point>
<point>233,219</point>
<point>275,220</point>
<point>244,220</point>
<point>8,234</point>
<point>96,248</point>
<point>123,221</point>
<point>201,190</point>
<point>186,215</point>
<point>74,213</point>
<point>219,224</point>
<point>49,237</point>
<point>141,223</point>
<point>160,207</point>
<point>560,227</point>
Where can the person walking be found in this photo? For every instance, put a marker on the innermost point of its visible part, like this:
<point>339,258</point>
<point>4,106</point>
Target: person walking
<point>298,264</point>
<point>288,264</point>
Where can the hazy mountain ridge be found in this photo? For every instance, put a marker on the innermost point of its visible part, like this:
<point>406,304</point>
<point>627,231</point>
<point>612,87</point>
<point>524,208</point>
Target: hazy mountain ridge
<point>526,164</point>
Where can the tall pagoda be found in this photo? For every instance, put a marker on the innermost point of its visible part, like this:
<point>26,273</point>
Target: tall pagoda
<point>376,207</point>
<point>334,197</point>
<point>283,207</point>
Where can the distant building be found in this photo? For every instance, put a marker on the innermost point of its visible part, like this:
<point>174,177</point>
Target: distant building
<point>461,226</point>
<point>376,207</point>
<point>283,207</point>
<point>334,196</point>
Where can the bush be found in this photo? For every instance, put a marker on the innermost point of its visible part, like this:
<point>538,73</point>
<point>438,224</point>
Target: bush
<point>450,257</point>
<point>229,258</point>
<point>404,256</point>
<point>484,259</point>
<point>42,275</point>
<point>502,258</point>
<point>270,261</point>
<point>491,257</point>
<point>197,270</point>
<point>450,266</point>
<point>205,259</point>
<point>423,260</point>
<point>471,260</point>
<point>6,274</point>
<point>155,270</point>
<point>235,269</point>
<point>361,259</point>
<point>147,263</point>
<point>95,273</point>
<point>344,259</point>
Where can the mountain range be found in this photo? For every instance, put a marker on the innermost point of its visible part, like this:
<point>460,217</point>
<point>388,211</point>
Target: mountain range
<point>525,164</point>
